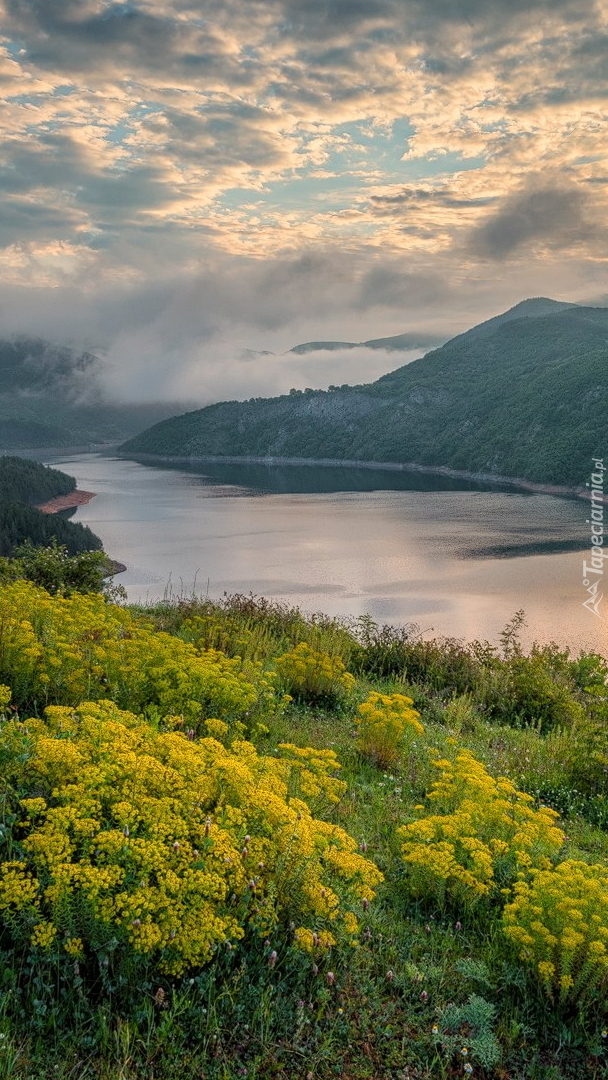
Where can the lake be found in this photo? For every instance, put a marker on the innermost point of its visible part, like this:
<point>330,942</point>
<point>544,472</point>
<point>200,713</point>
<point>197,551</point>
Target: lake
<point>455,558</point>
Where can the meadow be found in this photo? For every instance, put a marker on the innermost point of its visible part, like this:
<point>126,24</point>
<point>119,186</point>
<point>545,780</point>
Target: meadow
<point>238,841</point>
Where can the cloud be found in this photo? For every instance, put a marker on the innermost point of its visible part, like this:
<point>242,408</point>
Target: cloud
<point>181,176</point>
<point>411,197</point>
<point>555,215</point>
<point>392,286</point>
<point>204,373</point>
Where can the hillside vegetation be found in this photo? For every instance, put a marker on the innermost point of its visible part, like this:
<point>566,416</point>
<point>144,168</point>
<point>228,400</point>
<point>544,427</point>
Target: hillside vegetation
<point>26,483</point>
<point>239,842</point>
<point>523,395</point>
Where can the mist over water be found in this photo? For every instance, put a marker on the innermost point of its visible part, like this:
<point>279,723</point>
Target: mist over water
<point>455,558</point>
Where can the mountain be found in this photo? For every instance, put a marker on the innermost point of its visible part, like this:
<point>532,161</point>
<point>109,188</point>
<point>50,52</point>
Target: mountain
<point>390,344</point>
<point>523,395</point>
<point>52,396</point>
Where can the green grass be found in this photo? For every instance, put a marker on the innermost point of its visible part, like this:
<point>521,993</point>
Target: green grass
<point>425,981</point>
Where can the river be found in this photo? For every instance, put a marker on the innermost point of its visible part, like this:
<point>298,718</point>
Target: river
<point>455,558</point>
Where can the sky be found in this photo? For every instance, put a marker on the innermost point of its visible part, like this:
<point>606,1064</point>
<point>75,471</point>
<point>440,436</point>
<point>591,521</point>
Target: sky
<point>192,188</point>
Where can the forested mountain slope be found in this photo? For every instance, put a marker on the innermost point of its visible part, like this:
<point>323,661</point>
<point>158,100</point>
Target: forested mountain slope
<point>23,484</point>
<point>523,395</point>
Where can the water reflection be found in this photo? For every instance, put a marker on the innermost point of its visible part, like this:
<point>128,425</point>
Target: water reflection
<point>312,479</point>
<point>455,557</point>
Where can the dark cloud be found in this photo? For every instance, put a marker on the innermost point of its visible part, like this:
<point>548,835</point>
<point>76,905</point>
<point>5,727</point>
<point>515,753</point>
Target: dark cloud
<point>82,35</point>
<point>553,214</point>
<point>221,135</point>
<point>416,196</point>
<point>22,217</point>
<point>389,285</point>
<point>320,19</point>
<point>63,34</point>
<point>482,12</point>
<point>56,171</point>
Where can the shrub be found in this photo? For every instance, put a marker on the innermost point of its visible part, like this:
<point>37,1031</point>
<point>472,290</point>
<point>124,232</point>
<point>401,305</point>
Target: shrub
<point>485,834</point>
<point>313,676</point>
<point>61,650</point>
<point>127,844</point>
<point>559,923</point>
<point>534,692</point>
<point>54,569</point>
<point>382,651</point>
<point>251,626</point>
<point>387,724</point>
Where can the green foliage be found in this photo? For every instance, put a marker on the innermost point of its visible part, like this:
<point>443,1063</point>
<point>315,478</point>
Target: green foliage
<point>532,692</point>
<point>19,524</point>
<point>423,981</point>
<point>251,626</point>
<point>54,569</point>
<point>29,482</point>
<point>313,676</point>
<point>466,1032</point>
<point>523,396</point>
<point>25,482</point>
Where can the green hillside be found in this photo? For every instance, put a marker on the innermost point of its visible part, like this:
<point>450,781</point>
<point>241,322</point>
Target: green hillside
<point>24,484</point>
<point>522,395</point>
<point>31,483</point>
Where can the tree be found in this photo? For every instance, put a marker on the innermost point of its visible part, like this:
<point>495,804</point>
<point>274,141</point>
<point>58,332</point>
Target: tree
<point>53,569</point>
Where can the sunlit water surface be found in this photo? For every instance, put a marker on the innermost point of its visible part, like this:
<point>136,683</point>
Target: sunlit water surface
<point>400,547</point>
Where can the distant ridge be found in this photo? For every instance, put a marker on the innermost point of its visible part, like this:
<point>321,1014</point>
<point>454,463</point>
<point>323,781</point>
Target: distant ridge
<point>391,344</point>
<point>522,395</point>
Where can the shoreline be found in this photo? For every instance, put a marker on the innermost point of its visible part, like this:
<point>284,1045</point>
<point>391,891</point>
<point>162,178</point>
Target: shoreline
<point>66,502</point>
<point>71,501</point>
<point>558,490</point>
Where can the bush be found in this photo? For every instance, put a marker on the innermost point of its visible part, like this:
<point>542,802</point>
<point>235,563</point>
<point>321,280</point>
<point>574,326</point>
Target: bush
<point>559,923</point>
<point>532,692</point>
<point>127,844</point>
<point>485,834</point>
<point>251,626</point>
<point>60,573</point>
<point>313,676</point>
<point>66,649</point>
<point>387,725</point>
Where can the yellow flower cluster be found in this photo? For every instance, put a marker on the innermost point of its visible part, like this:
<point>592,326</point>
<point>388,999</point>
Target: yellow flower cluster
<point>312,675</point>
<point>387,724</point>
<point>559,922</point>
<point>311,942</point>
<point>168,845</point>
<point>69,649</point>
<point>486,834</point>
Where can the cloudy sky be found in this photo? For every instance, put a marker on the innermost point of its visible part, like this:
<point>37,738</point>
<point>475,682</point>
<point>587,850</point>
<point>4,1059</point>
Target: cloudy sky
<point>188,185</point>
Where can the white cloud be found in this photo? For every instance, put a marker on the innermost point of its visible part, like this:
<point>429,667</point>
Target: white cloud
<point>177,172</point>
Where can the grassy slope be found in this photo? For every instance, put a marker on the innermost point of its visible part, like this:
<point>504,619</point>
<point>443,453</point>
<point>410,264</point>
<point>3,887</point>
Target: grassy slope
<point>523,397</point>
<point>389,1013</point>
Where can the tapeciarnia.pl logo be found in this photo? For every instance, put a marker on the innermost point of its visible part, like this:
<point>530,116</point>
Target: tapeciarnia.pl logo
<point>593,572</point>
